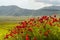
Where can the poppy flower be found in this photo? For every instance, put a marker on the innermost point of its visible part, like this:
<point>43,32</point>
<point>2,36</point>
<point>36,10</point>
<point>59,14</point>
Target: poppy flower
<point>11,34</point>
<point>31,22</point>
<point>18,27</point>
<point>14,31</point>
<point>30,29</point>
<point>55,20</point>
<point>7,35</point>
<point>41,20</point>
<point>27,37</point>
<point>50,23</point>
<point>32,19</point>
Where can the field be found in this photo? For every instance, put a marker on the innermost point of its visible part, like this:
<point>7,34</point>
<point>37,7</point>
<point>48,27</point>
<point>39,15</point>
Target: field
<point>7,23</point>
<point>30,28</point>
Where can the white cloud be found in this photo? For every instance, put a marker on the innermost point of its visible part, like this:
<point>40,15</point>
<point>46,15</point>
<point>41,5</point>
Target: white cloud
<point>28,4</point>
<point>54,0</point>
<point>50,0</point>
<point>37,5</point>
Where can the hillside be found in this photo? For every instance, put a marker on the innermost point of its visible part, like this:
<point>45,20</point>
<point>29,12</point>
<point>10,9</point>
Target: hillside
<point>17,11</point>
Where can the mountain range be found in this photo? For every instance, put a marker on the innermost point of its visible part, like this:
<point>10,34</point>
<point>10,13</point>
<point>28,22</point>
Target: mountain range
<point>14,10</point>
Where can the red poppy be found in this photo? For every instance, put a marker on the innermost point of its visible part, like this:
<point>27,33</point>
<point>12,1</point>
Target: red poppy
<point>11,34</point>
<point>50,23</point>
<point>32,19</point>
<point>23,26</point>
<point>55,20</point>
<point>45,17</point>
<point>14,31</point>
<point>30,29</point>
<point>18,27</point>
<point>27,37</point>
<point>24,22</point>
<point>6,36</point>
<point>41,20</point>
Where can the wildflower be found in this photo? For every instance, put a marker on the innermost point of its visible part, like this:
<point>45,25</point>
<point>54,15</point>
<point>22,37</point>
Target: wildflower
<point>30,29</point>
<point>27,37</point>
<point>23,25</point>
<point>11,34</point>
<point>50,23</point>
<point>14,31</point>
<point>18,27</point>
<point>41,20</point>
<point>7,35</point>
<point>24,22</point>
<point>32,19</point>
<point>46,34</point>
<point>45,17</point>
<point>31,22</point>
<point>55,20</point>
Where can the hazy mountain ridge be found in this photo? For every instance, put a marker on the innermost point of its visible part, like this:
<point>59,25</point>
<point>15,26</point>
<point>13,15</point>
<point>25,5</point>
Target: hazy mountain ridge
<point>17,11</point>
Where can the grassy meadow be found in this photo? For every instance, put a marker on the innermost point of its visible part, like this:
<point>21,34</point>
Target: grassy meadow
<point>30,28</point>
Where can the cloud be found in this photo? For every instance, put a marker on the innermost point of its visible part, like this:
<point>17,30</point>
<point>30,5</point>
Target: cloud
<point>31,4</point>
<point>27,4</point>
<point>54,2</point>
<point>37,5</point>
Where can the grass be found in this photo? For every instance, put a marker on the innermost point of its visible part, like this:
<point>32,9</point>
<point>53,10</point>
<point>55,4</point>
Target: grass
<point>8,23</point>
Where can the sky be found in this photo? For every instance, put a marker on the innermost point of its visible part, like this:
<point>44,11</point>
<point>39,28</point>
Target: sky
<point>30,4</point>
<point>54,2</point>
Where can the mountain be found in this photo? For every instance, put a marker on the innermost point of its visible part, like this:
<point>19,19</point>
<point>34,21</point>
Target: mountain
<point>48,10</point>
<point>17,11</point>
<point>14,11</point>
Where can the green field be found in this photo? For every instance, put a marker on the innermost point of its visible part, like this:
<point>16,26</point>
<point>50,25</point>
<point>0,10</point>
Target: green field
<point>6,24</point>
<point>9,22</point>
